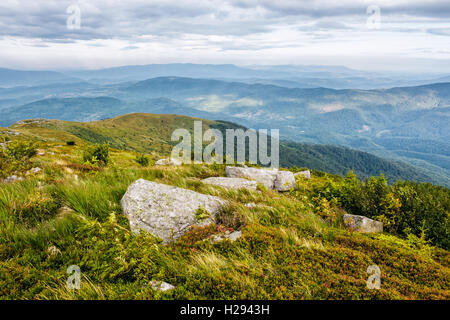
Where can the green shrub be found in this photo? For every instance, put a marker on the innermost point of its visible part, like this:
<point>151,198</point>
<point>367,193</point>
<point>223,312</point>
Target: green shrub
<point>97,154</point>
<point>404,208</point>
<point>142,160</point>
<point>71,143</point>
<point>20,150</point>
<point>16,157</point>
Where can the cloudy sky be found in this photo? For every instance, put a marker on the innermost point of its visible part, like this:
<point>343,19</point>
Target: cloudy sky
<point>398,35</point>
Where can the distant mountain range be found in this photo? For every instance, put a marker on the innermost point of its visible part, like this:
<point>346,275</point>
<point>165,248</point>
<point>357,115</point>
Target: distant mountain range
<point>336,77</point>
<point>292,76</point>
<point>410,124</point>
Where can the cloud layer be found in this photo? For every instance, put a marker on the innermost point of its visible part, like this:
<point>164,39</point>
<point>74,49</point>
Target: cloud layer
<point>230,30</point>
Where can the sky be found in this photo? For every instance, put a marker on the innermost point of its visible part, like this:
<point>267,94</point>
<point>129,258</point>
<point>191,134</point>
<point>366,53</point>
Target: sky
<point>407,36</point>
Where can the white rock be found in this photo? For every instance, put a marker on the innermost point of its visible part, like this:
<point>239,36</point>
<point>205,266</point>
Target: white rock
<point>264,176</point>
<point>161,285</point>
<point>306,174</point>
<point>233,236</point>
<point>168,162</point>
<point>271,178</point>
<point>231,183</point>
<point>284,181</point>
<point>250,205</point>
<point>12,178</point>
<point>362,224</point>
<point>167,211</point>
<point>36,170</point>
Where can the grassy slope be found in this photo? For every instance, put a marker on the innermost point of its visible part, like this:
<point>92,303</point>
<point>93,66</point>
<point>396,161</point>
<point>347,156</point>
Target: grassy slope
<point>151,133</point>
<point>70,214</point>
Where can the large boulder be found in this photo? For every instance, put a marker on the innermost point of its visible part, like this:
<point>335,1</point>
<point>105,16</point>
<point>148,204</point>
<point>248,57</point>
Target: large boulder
<point>231,183</point>
<point>362,224</point>
<point>167,211</point>
<point>270,178</point>
<point>168,162</point>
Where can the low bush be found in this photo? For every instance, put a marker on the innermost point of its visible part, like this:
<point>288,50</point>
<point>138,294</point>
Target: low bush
<point>143,160</point>
<point>96,155</point>
<point>15,156</point>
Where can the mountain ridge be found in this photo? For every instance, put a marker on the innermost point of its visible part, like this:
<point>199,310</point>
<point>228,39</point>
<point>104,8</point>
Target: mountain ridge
<point>151,133</point>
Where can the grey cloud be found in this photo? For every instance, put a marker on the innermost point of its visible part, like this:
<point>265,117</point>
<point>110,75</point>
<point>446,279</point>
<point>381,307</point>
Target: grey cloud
<point>104,19</point>
<point>440,31</point>
<point>129,48</point>
<point>330,8</point>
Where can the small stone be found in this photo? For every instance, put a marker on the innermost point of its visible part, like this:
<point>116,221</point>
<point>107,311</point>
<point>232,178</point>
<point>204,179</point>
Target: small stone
<point>161,286</point>
<point>362,224</point>
<point>168,162</point>
<point>13,178</point>
<point>233,236</point>
<point>250,205</point>
<point>36,170</point>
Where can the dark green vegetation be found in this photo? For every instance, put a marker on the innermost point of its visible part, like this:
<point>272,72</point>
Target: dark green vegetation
<point>151,133</point>
<point>97,155</point>
<point>293,246</point>
<point>408,209</point>
<point>143,160</point>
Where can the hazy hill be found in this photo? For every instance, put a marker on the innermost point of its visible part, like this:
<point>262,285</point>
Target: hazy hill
<point>296,76</point>
<point>96,108</point>
<point>11,78</point>
<point>151,133</point>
